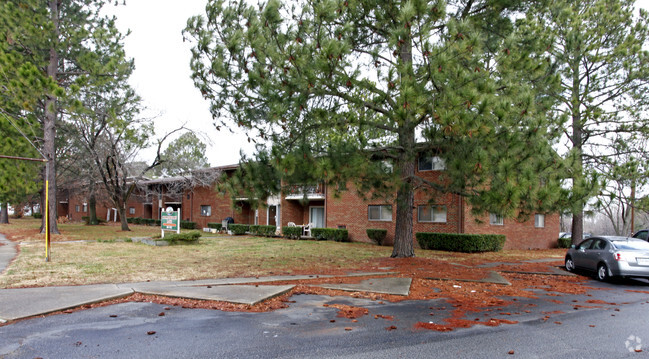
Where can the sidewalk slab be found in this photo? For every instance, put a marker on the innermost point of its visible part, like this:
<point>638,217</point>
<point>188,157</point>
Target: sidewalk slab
<point>7,252</point>
<point>27,302</point>
<point>144,286</point>
<point>492,277</point>
<point>553,271</point>
<point>240,294</point>
<point>393,285</point>
<point>244,280</point>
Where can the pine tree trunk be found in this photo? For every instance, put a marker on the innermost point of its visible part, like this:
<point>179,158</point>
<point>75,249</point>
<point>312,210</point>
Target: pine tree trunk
<point>577,145</point>
<point>4,213</point>
<point>405,164</point>
<point>577,227</point>
<point>403,240</point>
<point>49,127</point>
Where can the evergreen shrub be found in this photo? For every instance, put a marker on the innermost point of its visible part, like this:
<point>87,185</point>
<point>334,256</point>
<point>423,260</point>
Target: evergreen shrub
<point>214,225</point>
<point>260,230</point>
<point>330,234</point>
<point>292,232</point>
<point>377,235</point>
<point>238,229</point>
<point>564,242</point>
<point>457,242</point>
<point>187,225</point>
<point>186,237</point>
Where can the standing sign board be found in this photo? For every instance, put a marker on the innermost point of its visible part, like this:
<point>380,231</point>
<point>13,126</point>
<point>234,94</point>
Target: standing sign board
<point>170,221</point>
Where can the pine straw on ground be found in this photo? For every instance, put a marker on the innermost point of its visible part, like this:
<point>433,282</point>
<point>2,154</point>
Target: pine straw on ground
<point>469,303</point>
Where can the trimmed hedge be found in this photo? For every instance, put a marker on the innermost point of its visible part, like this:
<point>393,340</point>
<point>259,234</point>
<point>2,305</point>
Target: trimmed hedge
<point>467,243</point>
<point>86,220</point>
<point>564,242</point>
<point>330,234</point>
<point>144,221</point>
<point>238,229</point>
<point>187,237</point>
<point>377,235</point>
<point>292,232</point>
<point>187,225</point>
<point>37,215</point>
<point>261,230</point>
<point>215,225</point>
<point>134,220</point>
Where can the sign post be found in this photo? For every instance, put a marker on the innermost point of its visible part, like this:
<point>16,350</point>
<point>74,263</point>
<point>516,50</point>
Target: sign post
<point>170,221</point>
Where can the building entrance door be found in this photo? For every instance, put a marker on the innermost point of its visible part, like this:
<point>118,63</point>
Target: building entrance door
<point>316,216</point>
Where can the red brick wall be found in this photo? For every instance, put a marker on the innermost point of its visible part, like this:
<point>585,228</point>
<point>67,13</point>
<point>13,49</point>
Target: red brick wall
<point>350,211</point>
<point>452,203</point>
<point>519,235</point>
<point>347,210</point>
<point>294,211</point>
<point>221,207</point>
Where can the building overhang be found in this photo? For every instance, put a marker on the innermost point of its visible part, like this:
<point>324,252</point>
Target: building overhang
<point>310,196</point>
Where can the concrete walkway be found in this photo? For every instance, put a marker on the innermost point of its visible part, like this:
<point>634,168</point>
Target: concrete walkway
<point>8,252</point>
<point>28,302</point>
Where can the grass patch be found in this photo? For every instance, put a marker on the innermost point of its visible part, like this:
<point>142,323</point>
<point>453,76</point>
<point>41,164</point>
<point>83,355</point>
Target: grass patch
<point>27,230</point>
<point>107,257</point>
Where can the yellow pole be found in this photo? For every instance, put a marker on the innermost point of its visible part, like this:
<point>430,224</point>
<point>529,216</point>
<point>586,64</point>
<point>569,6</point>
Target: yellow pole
<point>47,212</point>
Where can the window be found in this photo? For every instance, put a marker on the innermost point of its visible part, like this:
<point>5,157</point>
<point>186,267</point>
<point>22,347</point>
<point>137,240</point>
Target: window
<point>585,244</point>
<point>387,166</point>
<point>131,210</point>
<point>435,214</point>
<point>496,219</point>
<point>76,208</point>
<point>379,213</point>
<point>600,244</point>
<point>539,220</point>
<point>642,235</point>
<point>206,211</point>
<point>85,207</point>
<point>431,163</point>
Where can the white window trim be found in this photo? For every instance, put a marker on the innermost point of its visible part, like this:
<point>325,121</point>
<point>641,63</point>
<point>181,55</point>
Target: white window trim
<point>210,210</point>
<point>496,219</point>
<point>323,219</point>
<point>539,215</point>
<point>434,160</point>
<point>131,210</point>
<point>380,211</point>
<point>432,214</point>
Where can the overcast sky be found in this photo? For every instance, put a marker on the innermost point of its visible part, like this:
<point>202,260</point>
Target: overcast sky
<point>162,72</point>
<point>162,75</point>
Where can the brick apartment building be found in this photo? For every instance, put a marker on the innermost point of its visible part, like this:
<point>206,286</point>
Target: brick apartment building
<point>203,204</point>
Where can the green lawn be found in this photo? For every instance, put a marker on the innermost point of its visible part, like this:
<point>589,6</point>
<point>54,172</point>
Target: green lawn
<point>100,254</point>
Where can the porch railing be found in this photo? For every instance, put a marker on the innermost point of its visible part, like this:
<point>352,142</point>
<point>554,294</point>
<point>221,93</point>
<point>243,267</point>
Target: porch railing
<point>311,191</point>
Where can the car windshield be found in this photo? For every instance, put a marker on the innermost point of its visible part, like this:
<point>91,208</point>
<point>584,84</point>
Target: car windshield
<point>631,245</point>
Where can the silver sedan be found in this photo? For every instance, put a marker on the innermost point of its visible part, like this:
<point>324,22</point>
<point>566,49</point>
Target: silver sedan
<point>609,256</point>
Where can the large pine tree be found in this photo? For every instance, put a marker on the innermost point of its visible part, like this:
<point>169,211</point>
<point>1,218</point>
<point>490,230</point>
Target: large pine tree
<point>599,49</point>
<point>351,91</point>
<point>60,47</point>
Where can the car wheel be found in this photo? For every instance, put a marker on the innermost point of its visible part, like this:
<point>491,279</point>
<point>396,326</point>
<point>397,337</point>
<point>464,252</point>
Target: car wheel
<point>570,265</point>
<point>602,272</point>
